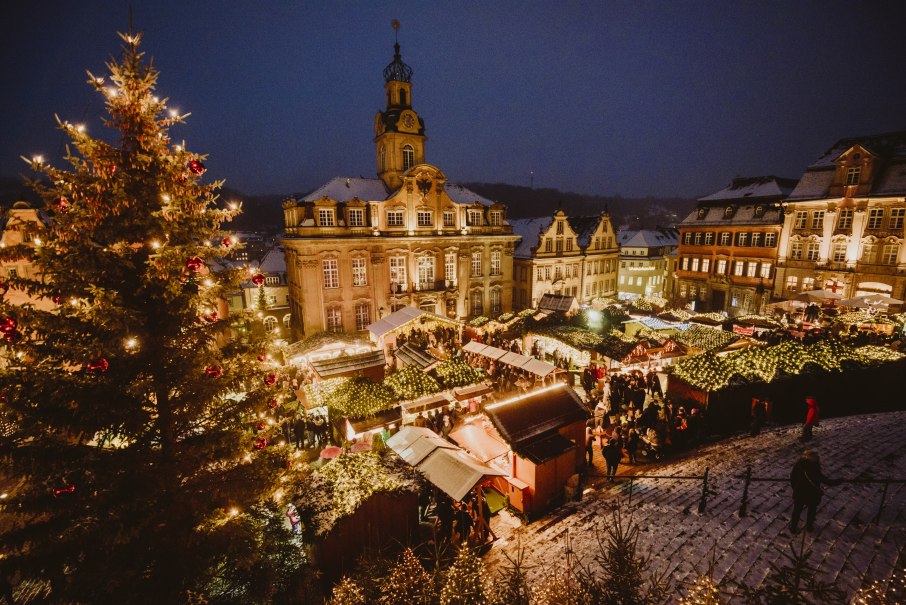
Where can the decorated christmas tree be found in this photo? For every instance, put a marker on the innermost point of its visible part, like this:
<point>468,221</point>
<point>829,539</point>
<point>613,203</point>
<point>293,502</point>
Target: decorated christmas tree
<point>465,582</point>
<point>138,431</point>
<point>408,582</point>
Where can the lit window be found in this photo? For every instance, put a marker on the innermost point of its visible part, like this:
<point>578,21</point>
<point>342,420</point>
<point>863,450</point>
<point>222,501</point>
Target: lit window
<point>475,217</point>
<point>395,218</point>
<point>476,264</point>
<point>325,217</point>
<point>791,282</point>
<point>852,175</point>
<point>495,262</point>
<point>270,323</point>
<point>737,268</point>
<point>889,254</point>
<point>331,273</point>
<point>424,218</point>
<point>357,218</point>
<point>770,240</point>
<point>709,238</point>
<point>272,280</point>
<point>801,219</point>
<point>811,252</point>
<point>817,219</point>
<point>449,218</point>
<point>408,157</point>
<point>756,239</point>
<point>695,262</point>
<point>362,315</point>
<point>397,266</point>
<point>751,269</point>
<point>450,267</point>
<point>845,222</point>
<point>896,218</point>
<point>808,284</point>
<point>687,238</point>
<point>425,266</point>
<point>334,319</point>
<point>359,272</point>
<point>698,239</point>
<point>725,238</point>
<point>868,253</point>
<point>685,263</point>
<point>706,265</point>
<point>796,250</point>
<point>875,218</point>
<point>765,270</point>
<point>721,267</point>
<point>742,239</point>
<point>839,251</point>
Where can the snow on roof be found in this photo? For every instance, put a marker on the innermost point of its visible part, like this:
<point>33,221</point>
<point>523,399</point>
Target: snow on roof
<point>741,215</point>
<point>274,261</point>
<point>343,189</point>
<point>557,303</point>
<point>461,195</point>
<point>889,145</point>
<point>647,238</point>
<point>585,227</point>
<point>753,187</point>
<point>528,229</point>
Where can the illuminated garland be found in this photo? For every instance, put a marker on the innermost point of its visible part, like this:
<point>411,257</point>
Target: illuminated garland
<point>457,373</point>
<point>759,321</point>
<point>861,317</point>
<point>505,317</point>
<point>479,321</point>
<point>411,383</point>
<point>706,339</point>
<point>351,397</point>
<point>340,487</point>
<point>710,372</point>
<point>675,315</point>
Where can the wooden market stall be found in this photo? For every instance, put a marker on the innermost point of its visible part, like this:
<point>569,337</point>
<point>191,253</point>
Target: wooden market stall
<point>384,332</point>
<point>370,364</point>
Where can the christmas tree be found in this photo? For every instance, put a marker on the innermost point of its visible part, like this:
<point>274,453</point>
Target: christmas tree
<point>465,582</point>
<point>132,443</point>
<point>408,582</point>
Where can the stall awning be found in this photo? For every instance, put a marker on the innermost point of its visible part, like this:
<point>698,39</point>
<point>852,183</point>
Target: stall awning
<point>385,418</point>
<point>345,364</point>
<point>455,472</point>
<point>515,359</point>
<point>423,404</point>
<point>444,464</point>
<point>473,346</point>
<point>479,443</point>
<point>413,356</point>
<point>397,319</point>
<point>463,393</point>
<point>539,368</point>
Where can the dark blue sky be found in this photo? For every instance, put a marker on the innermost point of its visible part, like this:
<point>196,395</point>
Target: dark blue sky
<point>636,98</point>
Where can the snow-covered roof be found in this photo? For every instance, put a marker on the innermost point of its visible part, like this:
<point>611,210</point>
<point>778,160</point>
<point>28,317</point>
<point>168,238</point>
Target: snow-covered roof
<point>461,195</point>
<point>343,189</point>
<point>741,215</point>
<point>585,227</point>
<point>528,229</point>
<point>397,319</point>
<point>648,238</point>
<point>274,261</point>
<point>744,188</point>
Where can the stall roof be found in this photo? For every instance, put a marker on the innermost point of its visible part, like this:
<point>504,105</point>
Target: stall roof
<point>558,303</point>
<point>455,472</point>
<point>539,368</point>
<point>463,393</point>
<point>382,419</point>
<point>485,350</point>
<point>515,359</point>
<point>543,450</point>
<point>343,364</point>
<point>478,442</point>
<point>414,444</point>
<point>413,356</point>
<point>473,346</point>
<point>397,319</point>
<point>428,402</point>
<point>523,419</point>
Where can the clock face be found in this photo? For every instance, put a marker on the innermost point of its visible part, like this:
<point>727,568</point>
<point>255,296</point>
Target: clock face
<point>408,120</point>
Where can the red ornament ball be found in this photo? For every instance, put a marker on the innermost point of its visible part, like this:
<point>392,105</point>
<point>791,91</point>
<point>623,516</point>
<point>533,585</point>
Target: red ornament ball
<point>12,337</point>
<point>214,371</point>
<point>261,425</point>
<point>270,379</point>
<point>262,357</point>
<point>196,167</point>
<point>63,490</point>
<point>61,204</point>
<point>99,366</point>
<point>226,242</point>
<point>261,443</point>
<point>196,264</point>
<point>272,404</point>
<point>57,299</point>
<point>212,317</point>
<point>258,279</point>
<point>8,324</point>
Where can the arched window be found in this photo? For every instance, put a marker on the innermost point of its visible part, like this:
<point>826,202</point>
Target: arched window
<point>270,323</point>
<point>383,155</point>
<point>286,320</point>
<point>408,157</point>
<point>402,96</point>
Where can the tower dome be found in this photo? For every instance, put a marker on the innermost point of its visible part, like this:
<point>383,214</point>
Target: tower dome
<point>397,70</point>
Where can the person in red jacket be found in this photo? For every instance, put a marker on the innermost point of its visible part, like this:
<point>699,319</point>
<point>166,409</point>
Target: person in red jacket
<point>811,418</point>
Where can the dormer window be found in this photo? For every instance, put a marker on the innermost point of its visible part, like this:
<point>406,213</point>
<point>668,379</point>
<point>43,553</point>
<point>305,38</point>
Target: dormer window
<point>325,217</point>
<point>495,217</point>
<point>702,213</point>
<point>559,227</point>
<point>357,217</point>
<point>759,211</point>
<point>474,217</point>
<point>728,212</point>
<point>852,175</point>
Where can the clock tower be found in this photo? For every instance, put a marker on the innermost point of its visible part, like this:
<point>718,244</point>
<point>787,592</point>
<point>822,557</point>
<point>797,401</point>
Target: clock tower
<point>399,131</point>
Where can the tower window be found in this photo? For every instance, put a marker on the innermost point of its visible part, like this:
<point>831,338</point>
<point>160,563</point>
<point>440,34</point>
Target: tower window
<point>383,159</point>
<point>852,175</point>
<point>408,157</point>
<point>402,96</point>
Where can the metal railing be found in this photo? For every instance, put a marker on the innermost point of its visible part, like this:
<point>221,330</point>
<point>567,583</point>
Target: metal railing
<point>747,479</point>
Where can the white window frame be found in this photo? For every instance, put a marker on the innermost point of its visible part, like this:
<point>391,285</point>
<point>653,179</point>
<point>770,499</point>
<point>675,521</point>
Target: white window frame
<point>330,272</point>
<point>495,262</point>
<point>424,266</point>
<point>812,250</point>
<point>801,219</point>
<point>495,218</point>
<point>751,269</point>
<point>721,266</point>
<point>449,218</point>
<point>362,315</point>
<point>397,266</point>
<point>889,254</point>
<point>408,157</point>
<point>725,237</point>
<point>450,267</point>
<point>334,319</point>
<point>770,240</point>
<point>359,271</point>
<point>845,220</point>
<point>838,252</point>
<point>817,219</point>
<point>875,218</point>
<point>326,217</point>
<point>476,268</point>
<point>396,218</point>
<point>765,271</point>
<point>424,218</point>
<point>792,282</point>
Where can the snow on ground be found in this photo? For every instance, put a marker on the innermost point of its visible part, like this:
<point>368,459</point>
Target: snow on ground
<point>847,544</point>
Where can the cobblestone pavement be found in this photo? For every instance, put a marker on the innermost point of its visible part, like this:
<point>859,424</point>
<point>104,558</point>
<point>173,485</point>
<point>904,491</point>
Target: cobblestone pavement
<point>847,543</point>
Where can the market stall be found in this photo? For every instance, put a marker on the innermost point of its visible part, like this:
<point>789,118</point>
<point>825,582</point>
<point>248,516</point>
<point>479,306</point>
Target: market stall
<point>410,355</point>
<point>370,364</point>
<point>385,331</point>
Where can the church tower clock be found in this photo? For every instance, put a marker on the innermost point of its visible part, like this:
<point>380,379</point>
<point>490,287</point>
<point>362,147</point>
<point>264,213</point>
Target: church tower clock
<point>399,131</point>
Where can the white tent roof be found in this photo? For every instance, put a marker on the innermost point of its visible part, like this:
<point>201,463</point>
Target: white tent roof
<point>388,324</point>
<point>538,367</point>
<point>515,359</point>
<point>414,444</point>
<point>454,471</point>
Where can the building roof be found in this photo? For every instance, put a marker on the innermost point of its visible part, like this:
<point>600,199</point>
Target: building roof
<point>273,261</point>
<point>461,195</point>
<point>530,230</point>
<point>344,364</point>
<point>648,238</point>
<point>585,227</point>
<point>767,188</point>
<point>543,450</point>
<point>400,318</point>
<point>557,303</point>
<point>343,189</point>
<point>411,355</point>
<point>709,216</point>
<point>889,148</point>
<point>478,442</point>
<point>413,443</point>
<point>525,420</point>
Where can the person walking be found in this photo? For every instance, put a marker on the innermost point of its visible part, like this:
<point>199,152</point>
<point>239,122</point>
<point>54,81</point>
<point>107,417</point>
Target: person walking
<point>589,442</point>
<point>811,418</point>
<point>806,479</point>
<point>613,453</point>
<point>759,414</point>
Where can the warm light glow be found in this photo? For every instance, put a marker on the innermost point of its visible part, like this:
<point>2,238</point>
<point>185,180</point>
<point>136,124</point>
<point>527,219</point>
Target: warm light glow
<point>111,92</point>
<point>234,511</point>
<point>173,113</point>
<point>270,421</point>
<point>260,314</point>
<point>278,495</point>
<point>38,159</point>
<point>558,385</point>
<point>4,496</point>
<point>80,128</point>
<point>155,244</point>
<point>247,458</point>
<point>131,343</point>
<point>208,283</point>
<point>165,197</point>
<point>234,206</point>
<point>37,241</point>
<point>177,148</point>
<point>73,301</point>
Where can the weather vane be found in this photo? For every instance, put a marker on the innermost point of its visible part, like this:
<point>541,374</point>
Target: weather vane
<point>396,29</point>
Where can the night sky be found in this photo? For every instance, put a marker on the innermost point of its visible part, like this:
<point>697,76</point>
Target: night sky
<point>632,98</point>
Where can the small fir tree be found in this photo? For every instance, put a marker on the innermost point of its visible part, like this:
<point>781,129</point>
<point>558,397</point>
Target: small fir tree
<point>130,450</point>
<point>348,592</point>
<point>626,577</point>
<point>465,582</point>
<point>408,582</point>
<point>513,586</point>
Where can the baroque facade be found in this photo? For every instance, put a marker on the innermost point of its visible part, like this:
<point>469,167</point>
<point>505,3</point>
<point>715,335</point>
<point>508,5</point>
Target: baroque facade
<point>728,247</point>
<point>644,260</point>
<point>358,249</point>
<point>843,224</point>
<point>571,256</point>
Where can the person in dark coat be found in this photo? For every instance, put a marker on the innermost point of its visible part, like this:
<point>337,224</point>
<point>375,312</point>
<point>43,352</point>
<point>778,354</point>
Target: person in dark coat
<point>811,418</point>
<point>806,479</point>
<point>613,453</point>
<point>759,414</point>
